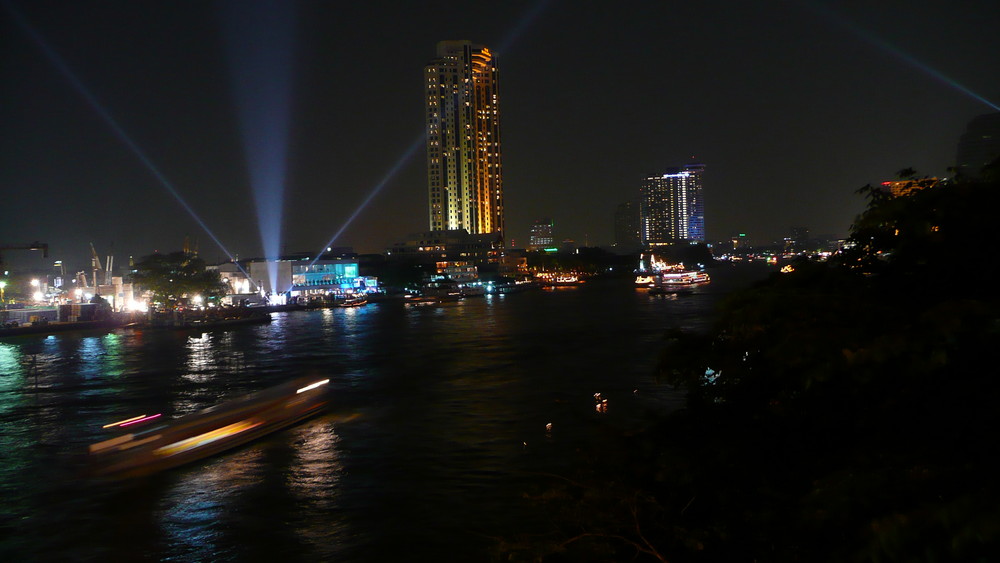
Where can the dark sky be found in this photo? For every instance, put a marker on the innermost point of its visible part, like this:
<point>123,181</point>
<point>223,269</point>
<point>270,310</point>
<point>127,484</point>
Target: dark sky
<point>791,105</point>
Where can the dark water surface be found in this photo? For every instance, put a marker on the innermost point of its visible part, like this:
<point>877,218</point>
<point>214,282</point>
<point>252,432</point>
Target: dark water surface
<point>437,422</point>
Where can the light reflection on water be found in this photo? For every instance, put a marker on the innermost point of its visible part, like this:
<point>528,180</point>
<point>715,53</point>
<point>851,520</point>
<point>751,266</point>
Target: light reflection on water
<point>314,481</point>
<point>436,413</point>
<point>194,511</point>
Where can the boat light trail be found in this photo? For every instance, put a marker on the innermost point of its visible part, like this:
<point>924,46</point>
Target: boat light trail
<point>82,89</point>
<point>140,419</point>
<point>259,43</point>
<point>877,41</point>
<point>121,422</point>
<point>312,386</point>
<point>207,438</point>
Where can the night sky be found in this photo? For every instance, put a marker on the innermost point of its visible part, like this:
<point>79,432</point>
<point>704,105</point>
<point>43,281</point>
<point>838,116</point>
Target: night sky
<point>791,105</point>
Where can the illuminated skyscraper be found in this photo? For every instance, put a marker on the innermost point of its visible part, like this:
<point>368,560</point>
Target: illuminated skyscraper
<point>541,234</point>
<point>671,207</point>
<point>464,175</point>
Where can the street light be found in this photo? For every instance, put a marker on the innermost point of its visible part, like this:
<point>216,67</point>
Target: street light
<point>36,295</point>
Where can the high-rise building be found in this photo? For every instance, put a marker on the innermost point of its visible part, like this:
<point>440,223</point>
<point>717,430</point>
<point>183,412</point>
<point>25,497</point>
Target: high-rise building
<point>464,173</point>
<point>671,207</point>
<point>627,227</point>
<point>979,145</point>
<point>541,234</point>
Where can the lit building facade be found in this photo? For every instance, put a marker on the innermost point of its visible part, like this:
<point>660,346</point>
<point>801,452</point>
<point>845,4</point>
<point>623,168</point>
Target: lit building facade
<point>903,188</point>
<point>464,167</point>
<point>541,234</point>
<point>455,245</point>
<point>672,207</point>
<point>305,277</point>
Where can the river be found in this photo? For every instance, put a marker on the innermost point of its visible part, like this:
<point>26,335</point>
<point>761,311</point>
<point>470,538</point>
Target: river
<point>437,421</point>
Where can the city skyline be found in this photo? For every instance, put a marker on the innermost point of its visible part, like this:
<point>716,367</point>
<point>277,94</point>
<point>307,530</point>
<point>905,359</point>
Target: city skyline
<point>790,122</point>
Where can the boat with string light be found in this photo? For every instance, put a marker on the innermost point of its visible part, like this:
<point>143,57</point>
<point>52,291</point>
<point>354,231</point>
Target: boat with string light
<point>679,280</point>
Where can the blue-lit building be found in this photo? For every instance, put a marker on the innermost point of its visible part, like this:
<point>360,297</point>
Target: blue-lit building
<point>304,277</point>
<point>672,207</point>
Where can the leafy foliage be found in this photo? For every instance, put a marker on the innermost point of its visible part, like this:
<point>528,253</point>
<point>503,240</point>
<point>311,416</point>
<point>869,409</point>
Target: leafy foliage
<point>854,398</point>
<point>175,276</point>
<point>840,412</point>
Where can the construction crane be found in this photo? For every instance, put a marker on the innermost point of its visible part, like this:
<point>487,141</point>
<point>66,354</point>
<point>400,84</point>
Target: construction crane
<point>95,263</point>
<point>95,266</point>
<point>33,246</point>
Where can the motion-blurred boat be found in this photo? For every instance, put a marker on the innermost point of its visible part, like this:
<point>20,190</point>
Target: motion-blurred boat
<point>198,435</point>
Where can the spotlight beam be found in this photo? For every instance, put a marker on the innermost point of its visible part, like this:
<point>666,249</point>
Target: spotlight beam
<point>259,43</point>
<point>82,89</point>
<point>877,41</point>
<point>407,155</point>
<point>528,18</point>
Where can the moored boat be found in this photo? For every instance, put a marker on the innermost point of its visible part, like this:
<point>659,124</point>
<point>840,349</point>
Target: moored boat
<point>358,301</point>
<point>223,322</point>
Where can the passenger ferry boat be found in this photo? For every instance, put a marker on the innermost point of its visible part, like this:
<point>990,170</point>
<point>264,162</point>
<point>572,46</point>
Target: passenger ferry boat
<point>165,445</point>
<point>679,280</point>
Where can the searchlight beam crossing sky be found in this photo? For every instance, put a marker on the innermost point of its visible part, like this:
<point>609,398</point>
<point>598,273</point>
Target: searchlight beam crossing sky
<point>888,47</point>
<point>260,43</point>
<point>407,155</point>
<point>78,84</point>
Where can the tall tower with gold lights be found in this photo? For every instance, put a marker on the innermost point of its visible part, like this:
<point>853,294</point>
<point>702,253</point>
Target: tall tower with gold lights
<point>464,172</point>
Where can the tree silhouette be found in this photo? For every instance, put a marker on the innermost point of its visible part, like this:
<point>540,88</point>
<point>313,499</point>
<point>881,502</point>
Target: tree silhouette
<point>175,276</point>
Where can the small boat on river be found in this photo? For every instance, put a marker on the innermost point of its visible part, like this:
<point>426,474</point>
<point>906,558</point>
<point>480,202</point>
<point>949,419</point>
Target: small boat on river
<point>210,323</point>
<point>359,301</point>
<point>160,445</point>
<point>46,328</point>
